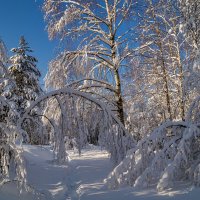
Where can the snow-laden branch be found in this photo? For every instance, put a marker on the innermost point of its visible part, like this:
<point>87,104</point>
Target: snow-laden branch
<point>167,155</point>
<point>70,92</point>
<point>104,84</point>
<point>112,133</point>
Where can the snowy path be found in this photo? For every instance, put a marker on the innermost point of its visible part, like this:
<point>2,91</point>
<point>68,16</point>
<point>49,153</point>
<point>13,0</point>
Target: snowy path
<point>81,180</point>
<point>88,172</point>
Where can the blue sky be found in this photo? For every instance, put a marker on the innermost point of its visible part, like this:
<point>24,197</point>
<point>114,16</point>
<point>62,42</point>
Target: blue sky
<point>24,17</point>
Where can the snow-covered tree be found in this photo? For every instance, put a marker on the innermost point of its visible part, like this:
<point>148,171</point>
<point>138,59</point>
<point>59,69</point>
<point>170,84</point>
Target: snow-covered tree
<point>171,153</point>
<point>191,27</point>
<point>100,38</point>
<point>24,72</point>
<point>70,124</point>
<point>161,86</point>
<point>11,162</point>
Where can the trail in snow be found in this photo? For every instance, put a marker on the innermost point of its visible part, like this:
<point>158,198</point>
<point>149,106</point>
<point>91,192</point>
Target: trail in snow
<point>81,180</point>
<point>88,172</point>
<point>90,169</point>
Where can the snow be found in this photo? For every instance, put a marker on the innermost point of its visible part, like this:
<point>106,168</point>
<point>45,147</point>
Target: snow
<point>82,179</point>
<point>47,180</point>
<point>88,172</point>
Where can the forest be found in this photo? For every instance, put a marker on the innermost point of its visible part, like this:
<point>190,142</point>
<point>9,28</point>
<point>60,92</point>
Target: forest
<point>125,81</point>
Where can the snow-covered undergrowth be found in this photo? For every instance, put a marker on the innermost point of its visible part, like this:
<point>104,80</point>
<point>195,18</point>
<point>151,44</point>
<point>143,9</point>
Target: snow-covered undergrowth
<point>170,154</point>
<point>82,179</point>
<point>11,162</point>
<point>45,179</point>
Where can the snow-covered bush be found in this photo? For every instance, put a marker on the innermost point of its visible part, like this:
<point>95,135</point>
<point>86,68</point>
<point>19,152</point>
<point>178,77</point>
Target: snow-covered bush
<point>11,162</point>
<point>170,153</point>
<point>12,167</point>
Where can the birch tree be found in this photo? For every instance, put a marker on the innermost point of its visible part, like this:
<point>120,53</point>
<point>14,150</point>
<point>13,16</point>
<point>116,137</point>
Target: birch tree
<point>100,36</point>
<point>170,154</point>
<point>160,88</point>
<point>162,57</point>
<point>191,27</point>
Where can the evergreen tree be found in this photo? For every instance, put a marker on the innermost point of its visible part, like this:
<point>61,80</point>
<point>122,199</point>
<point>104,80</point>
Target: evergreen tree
<point>11,164</point>
<point>24,72</point>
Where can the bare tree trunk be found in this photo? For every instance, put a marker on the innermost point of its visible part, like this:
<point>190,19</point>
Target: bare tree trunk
<point>180,67</point>
<point>115,61</point>
<point>166,90</point>
<point>163,66</point>
<point>165,79</point>
<point>181,79</point>
<point>118,94</point>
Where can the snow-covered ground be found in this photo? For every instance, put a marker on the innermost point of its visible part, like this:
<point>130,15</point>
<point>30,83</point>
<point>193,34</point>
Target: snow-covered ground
<point>47,180</point>
<point>82,179</point>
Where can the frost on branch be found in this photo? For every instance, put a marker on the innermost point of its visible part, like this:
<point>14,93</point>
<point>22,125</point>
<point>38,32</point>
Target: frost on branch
<point>169,154</point>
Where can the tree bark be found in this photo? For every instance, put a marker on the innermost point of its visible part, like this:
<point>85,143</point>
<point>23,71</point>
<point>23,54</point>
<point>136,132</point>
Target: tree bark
<point>118,96</point>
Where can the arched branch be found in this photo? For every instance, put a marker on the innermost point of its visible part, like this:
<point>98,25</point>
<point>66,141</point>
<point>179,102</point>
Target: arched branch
<point>70,91</point>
